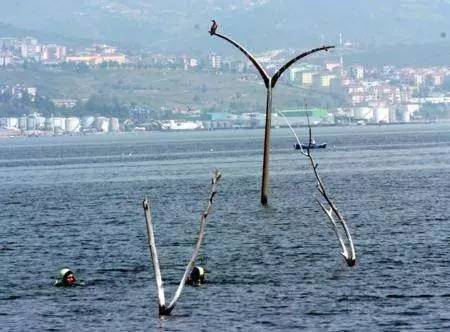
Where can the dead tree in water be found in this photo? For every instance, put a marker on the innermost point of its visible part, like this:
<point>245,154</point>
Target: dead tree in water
<point>327,204</point>
<point>163,308</point>
<point>270,83</point>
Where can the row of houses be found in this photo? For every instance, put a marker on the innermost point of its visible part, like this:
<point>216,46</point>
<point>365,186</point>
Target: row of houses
<point>17,92</point>
<point>18,50</point>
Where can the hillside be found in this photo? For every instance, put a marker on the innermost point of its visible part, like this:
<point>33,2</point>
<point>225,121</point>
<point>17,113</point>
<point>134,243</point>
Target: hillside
<point>166,88</point>
<point>181,25</point>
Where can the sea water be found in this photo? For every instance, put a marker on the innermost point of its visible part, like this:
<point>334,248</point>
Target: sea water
<point>76,202</point>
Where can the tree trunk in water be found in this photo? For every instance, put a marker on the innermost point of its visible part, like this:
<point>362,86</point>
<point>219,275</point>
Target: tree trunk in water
<point>265,171</point>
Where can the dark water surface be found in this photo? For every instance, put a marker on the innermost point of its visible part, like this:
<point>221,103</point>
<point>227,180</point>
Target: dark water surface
<point>76,201</point>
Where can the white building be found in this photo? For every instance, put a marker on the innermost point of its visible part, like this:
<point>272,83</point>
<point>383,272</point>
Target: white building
<point>87,122</point>
<point>307,78</point>
<point>23,123</point>
<point>405,116</point>
<point>56,124</point>
<point>114,125</point>
<point>30,48</point>
<point>72,125</point>
<point>53,53</point>
<point>9,122</point>
<point>363,113</point>
<point>381,115</point>
<point>293,72</point>
<point>102,124</point>
<point>408,110</point>
<point>357,72</point>
<point>182,125</point>
<point>392,114</point>
<point>216,61</point>
<point>5,58</point>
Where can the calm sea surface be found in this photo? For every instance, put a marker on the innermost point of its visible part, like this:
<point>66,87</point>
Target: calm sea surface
<point>76,201</point>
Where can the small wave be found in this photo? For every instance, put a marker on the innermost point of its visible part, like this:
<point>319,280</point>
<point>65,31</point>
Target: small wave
<point>361,298</point>
<point>268,323</point>
<point>317,313</point>
<point>402,296</point>
<point>10,297</point>
<point>123,269</point>
<point>401,323</point>
<point>5,248</point>
<point>411,313</point>
<point>16,203</point>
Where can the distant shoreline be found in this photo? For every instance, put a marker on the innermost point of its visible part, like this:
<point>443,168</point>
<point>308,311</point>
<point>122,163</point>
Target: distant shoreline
<point>5,134</point>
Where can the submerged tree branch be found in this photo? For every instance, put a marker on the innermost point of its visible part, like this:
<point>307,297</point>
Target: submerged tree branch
<point>154,255</point>
<point>201,234</point>
<point>335,217</point>
<point>163,309</point>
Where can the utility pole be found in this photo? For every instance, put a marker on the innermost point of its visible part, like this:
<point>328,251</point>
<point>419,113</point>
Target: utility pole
<point>270,83</point>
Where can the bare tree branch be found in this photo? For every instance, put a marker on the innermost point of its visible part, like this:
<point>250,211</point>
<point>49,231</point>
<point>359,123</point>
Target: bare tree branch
<point>201,235</point>
<point>163,309</point>
<point>260,69</point>
<point>154,255</point>
<point>280,71</point>
<point>294,133</point>
<point>334,216</point>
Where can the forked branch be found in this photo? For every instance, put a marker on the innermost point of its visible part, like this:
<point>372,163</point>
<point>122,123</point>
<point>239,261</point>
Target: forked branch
<point>269,82</point>
<point>163,309</point>
<point>280,71</point>
<point>272,81</point>
<point>260,69</point>
<point>336,219</point>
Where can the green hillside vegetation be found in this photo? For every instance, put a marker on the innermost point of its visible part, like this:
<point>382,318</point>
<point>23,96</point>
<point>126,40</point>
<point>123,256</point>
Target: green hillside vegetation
<point>158,89</point>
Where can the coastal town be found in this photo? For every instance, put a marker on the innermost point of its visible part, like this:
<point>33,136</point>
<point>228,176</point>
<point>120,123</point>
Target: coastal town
<point>365,95</point>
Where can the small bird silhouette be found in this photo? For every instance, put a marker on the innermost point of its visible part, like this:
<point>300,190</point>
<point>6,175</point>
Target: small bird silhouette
<point>214,27</point>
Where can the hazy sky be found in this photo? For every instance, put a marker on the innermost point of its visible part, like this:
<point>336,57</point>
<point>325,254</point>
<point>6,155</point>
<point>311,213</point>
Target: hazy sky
<point>261,24</point>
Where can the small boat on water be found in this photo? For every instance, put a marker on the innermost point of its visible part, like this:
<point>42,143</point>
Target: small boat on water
<point>313,145</point>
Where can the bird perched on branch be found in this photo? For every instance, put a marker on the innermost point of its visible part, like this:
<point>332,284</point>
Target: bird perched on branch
<point>214,27</point>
